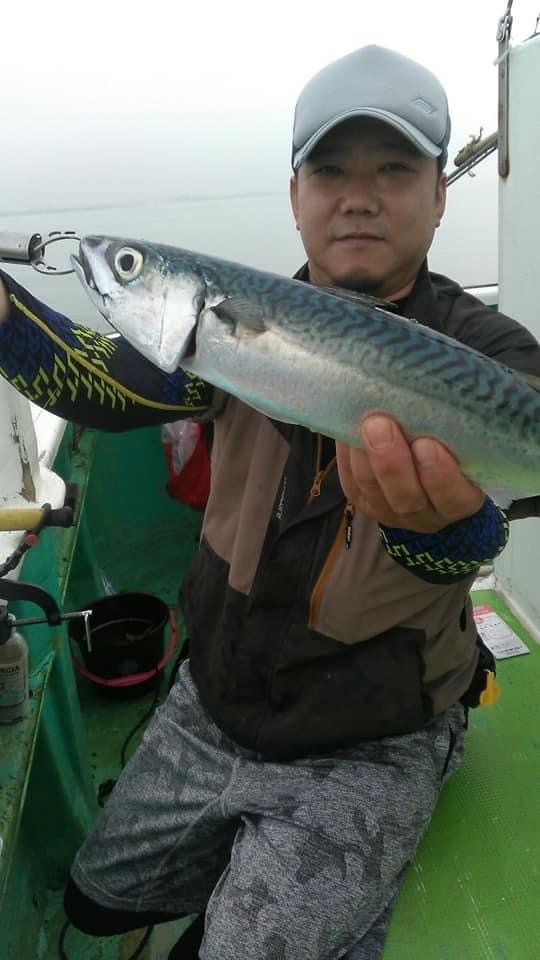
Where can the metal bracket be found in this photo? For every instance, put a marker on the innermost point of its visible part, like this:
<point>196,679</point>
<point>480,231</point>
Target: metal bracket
<point>21,248</point>
<point>504,30</point>
<point>31,592</point>
<point>35,594</point>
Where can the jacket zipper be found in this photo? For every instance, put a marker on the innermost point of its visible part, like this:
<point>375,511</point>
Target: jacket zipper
<point>343,536</point>
<point>320,475</point>
<point>349,517</point>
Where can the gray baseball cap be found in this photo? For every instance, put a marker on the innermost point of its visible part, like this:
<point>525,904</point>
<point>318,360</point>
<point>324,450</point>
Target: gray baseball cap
<point>373,82</point>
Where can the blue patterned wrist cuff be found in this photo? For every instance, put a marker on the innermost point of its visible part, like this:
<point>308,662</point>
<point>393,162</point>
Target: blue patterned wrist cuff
<point>454,552</point>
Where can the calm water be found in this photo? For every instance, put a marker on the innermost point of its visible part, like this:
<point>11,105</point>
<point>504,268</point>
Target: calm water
<point>256,230</point>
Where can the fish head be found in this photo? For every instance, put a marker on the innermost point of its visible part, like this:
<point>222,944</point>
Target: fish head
<point>145,293</point>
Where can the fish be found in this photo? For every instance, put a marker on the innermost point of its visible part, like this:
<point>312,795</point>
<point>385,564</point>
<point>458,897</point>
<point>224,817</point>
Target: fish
<point>321,357</point>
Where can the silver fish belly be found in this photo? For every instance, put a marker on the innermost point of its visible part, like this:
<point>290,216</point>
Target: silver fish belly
<point>317,358</point>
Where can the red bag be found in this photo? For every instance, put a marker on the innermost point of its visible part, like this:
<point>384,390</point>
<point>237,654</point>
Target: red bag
<point>188,462</point>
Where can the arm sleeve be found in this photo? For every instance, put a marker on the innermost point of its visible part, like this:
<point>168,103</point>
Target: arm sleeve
<point>453,553</point>
<point>89,378</point>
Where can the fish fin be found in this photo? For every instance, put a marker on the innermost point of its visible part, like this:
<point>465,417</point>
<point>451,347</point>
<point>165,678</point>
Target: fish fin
<point>529,378</point>
<point>532,379</point>
<point>241,313</point>
<point>502,497</point>
<point>353,296</point>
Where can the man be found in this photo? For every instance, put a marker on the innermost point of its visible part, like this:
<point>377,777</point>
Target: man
<point>286,783</point>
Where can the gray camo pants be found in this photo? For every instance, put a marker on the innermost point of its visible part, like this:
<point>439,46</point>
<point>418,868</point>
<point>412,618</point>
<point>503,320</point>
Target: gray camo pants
<point>292,861</point>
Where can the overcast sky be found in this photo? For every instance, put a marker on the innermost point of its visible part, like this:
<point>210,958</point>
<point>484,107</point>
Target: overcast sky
<point>111,103</point>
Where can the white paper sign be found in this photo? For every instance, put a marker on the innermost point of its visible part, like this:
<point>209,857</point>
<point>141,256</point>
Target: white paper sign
<point>497,635</point>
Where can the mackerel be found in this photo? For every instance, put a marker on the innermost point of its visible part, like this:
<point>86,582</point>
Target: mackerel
<point>319,357</point>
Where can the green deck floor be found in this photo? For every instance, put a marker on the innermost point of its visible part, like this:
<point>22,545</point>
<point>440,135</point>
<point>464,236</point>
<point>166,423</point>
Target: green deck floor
<point>472,892</point>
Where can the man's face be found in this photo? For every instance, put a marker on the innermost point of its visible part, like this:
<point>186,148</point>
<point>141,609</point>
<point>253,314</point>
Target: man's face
<point>367,203</point>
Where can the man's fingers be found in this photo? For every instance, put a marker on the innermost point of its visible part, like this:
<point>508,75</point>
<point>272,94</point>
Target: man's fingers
<point>452,494</point>
<point>393,466</point>
<point>359,482</point>
<point>355,473</point>
<point>416,485</point>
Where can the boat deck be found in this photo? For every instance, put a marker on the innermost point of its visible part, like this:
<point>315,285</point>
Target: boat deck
<point>472,891</point>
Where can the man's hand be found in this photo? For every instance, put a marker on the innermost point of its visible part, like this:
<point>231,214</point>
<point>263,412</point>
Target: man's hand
<point>414,485</point>
<point>4,302</point>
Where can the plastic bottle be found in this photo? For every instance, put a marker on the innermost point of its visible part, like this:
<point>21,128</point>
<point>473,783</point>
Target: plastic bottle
<point>13,678</point>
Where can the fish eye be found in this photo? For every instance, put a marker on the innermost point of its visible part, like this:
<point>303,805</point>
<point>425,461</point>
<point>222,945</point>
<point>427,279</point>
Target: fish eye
<point>128,263</point>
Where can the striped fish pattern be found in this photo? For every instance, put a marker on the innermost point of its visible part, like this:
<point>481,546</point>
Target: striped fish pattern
<point>319,357</point>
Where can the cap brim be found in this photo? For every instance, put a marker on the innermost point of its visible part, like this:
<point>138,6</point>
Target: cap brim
<point>415,136</point>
